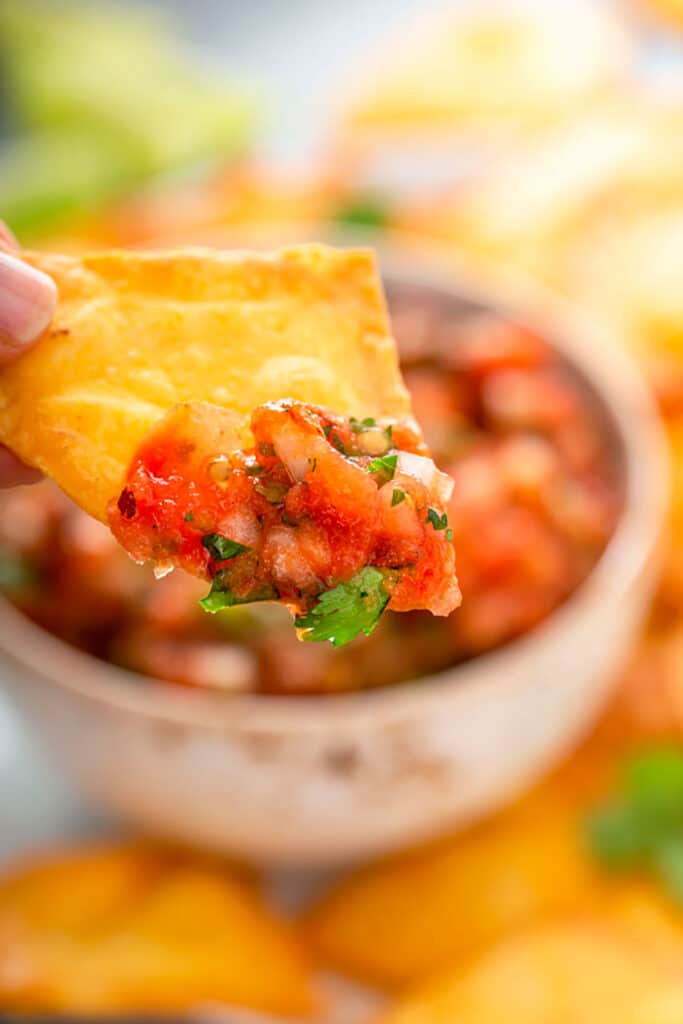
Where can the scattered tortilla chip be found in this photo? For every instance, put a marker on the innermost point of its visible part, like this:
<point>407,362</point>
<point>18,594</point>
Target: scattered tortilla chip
<point>400,921</point>
<point>403,920</point>
<point>136,333</point>
<point>504,67</point>
<point>135,928</point>
<point>576,971</point>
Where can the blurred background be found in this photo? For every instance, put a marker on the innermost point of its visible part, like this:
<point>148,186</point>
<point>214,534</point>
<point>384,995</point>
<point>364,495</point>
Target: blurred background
<point>532,150</point>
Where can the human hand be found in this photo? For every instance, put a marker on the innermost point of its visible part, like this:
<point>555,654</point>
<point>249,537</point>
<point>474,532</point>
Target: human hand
<point>27,304</point>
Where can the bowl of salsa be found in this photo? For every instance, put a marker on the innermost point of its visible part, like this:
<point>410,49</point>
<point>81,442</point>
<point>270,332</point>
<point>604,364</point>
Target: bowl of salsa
<point>229,732</point>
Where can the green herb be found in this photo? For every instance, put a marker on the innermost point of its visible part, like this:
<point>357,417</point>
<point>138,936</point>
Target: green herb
<point>389,432</point>
<point>449,535</point>
<point>397,497</point>
<point>222,548</point>
<point>384,467</point>
<point>268,450</point>
<point>438,521</point>
<point>654,783</point>
<point>188,517</point>
<point>348,609</point>
<point>327,429</point>
<point>364,212</point>
<point>337,442</point>
<point>218,597</point>
<point>642,827</point>
<point>358,426</point>
<point>615,835</point>
<point>222,596</point>
<point>668,858</point>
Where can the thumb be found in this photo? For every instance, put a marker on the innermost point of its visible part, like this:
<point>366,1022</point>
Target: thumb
<point>27,303</point>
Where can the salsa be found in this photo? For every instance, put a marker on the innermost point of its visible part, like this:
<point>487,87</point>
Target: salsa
<point>335,518</point>
<point>537,492</point>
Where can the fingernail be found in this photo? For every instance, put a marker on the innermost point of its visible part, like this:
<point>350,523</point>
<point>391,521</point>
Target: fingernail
<point>27,301</point>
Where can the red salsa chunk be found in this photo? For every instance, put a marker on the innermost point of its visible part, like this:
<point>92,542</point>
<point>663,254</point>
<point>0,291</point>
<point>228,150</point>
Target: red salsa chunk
<point>335,518</point>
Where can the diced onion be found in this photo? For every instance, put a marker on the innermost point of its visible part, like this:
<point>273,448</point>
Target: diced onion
<point>162,569</point>
<point>294,452</point>
<point>424,470</point>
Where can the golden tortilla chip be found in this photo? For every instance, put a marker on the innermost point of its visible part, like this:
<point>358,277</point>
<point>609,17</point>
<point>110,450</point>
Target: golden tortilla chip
<point>137,928</point>
<point>502,67</point>
<point>575,971</point>
<point>401,920</point>
<point>135,333</point>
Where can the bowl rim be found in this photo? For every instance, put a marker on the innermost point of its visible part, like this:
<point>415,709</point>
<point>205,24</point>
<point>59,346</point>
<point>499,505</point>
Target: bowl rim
<point>622,391</point>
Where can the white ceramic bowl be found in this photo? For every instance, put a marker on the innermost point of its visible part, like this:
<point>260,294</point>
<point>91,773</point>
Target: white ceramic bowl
<point>326,779</point>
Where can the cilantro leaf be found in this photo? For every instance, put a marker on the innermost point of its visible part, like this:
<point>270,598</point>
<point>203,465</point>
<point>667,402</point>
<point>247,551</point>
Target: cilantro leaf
<point>220,548</point>
<point>642,827</point>
<point>397,497</point>
<point>668,861</point>
<point>654,783</point>
<point>219,597</point>
<point>222,596</point>
<point>438,521</point>
<point>348,609</point>
<point>384,467</point>
<point>188,517</point>
<point>359,426</point>
<point>615,836</point>
<point>336,440</point>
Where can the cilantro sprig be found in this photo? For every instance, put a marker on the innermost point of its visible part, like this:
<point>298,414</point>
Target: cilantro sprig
<point>397,496</point>
<point>348,609</point>
<point>438,520</point>
<point>641,828</point>
<point>221,548</point>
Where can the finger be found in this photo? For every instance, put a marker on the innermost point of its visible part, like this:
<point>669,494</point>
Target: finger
<point>13,472</point>
<point>27,303</point>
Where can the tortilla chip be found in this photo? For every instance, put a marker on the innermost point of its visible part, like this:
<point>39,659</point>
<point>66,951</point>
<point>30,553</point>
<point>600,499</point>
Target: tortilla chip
<point>574,971</point>
<point>135,333</point>
<point>399,921</point>
<point>140,927</point>
<point>497,67</point>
